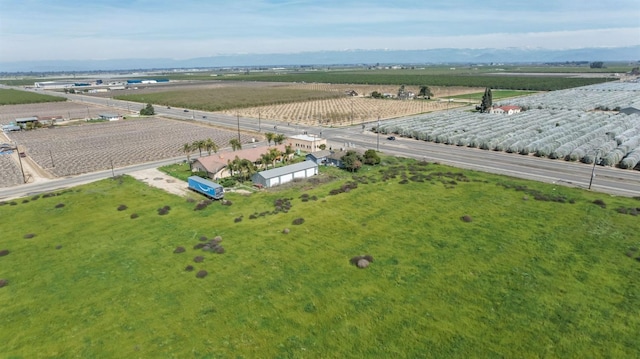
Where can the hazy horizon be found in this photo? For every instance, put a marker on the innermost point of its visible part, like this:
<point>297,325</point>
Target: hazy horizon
<point>41,30</point>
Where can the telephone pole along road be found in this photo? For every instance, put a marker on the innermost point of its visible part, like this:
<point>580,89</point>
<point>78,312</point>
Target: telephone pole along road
<point>609,180</point>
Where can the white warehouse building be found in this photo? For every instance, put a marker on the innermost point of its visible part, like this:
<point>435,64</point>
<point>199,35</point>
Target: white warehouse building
<point>281,175</point>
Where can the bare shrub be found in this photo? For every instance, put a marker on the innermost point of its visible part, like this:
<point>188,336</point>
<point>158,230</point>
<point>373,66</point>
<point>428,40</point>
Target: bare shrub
<point>29,235</point>
<point>218,239</point>
<point>133,215</point>
<point>369,258</point>
<point>198,259</point>
<point>599,202</point>
<point>199,246</point>
<point>298,221</point>
<point>203,239</point>
<point>4,252</point>
<point>285,231</point>
<point>122,207</point>
<point>201,274</point>
<point>226,202</point>
<point>466,218</point>
<point>179,250</point>
<point>219,249</point>
<point>188,268</point>
<point>59,246</point>
<point>238,219</point>
<point>162,211</point>
<point>3,283</point>
<point>191,200</point>
<point>59,205</point>
<point>363,263</point>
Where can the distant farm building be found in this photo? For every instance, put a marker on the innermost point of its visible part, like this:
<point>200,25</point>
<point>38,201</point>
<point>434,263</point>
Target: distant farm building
<point>307,143</point>
<point>508,110</point>
<point>54,84</point>
<point>22,122</point>
<point>285,174</point>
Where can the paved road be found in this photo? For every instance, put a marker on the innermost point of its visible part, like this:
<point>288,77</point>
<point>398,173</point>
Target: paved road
<point>607,180</point>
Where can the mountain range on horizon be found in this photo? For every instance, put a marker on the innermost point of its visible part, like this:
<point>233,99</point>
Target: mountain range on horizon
<point>346,57</point>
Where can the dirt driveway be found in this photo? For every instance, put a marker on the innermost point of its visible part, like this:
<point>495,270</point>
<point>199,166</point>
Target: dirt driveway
<point>155,178</point>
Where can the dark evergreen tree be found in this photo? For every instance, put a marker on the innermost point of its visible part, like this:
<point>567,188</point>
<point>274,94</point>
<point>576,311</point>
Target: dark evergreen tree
<point>487,101</point>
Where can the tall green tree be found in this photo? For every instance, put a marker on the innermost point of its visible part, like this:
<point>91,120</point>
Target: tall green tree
<point>425,92</point>
<point>352,161</point>
<point>371,157</point>
<point>487,100</point>
<point>279,138</point>
<point>199,145</point>
<point>210,146</point>
<point>187,148</point>
<point>148,110</point>
<point>235,144</point>
<point>269,136</point>
<point>274,154</point>
<point>401,92</point>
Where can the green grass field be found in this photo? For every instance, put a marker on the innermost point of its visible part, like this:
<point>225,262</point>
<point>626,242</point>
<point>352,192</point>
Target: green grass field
<point>17,97</point>
<point>219,99</point>
<point>522,278</point>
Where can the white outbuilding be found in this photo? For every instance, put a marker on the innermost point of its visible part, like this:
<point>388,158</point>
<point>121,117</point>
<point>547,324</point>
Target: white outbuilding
<point>281,175</point>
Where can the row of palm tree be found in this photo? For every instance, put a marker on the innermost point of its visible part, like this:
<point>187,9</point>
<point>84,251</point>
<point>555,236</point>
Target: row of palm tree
<point>243,169</point>
<point>277,139</point>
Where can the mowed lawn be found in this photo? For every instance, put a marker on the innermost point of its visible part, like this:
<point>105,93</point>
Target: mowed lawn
<point>534,270</point>
<point>17,97</point>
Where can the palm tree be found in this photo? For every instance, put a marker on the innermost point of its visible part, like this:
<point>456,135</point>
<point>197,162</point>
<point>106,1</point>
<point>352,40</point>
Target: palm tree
<point>269,136</point>
<point>235,144</point>
<point>187,148</point>
<point>265,159</point>
<point>279,138</point>
<point>199,145</point>
<point>248,168</point>
<point>274,153</point>
<point>232,165</point>
<point>209,146</point>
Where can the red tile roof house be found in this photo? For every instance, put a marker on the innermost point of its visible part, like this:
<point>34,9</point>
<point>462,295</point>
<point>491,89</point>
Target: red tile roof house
<point>216,165</point>
<point>509,110</point>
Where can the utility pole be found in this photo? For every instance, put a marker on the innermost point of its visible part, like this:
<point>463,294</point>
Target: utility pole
<point>238,117</point>
<point>378,132</point>
<point>259,127</point>
<point>113,173</point>
<point>593,170</point>
<point>51,155</point>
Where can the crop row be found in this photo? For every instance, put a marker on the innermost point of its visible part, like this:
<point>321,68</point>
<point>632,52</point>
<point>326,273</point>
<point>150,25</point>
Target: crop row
<point>612,138</point>
<point>505,82</point>
<point>223,98</point>
<point>607,96</point>
<point>17,97</point>
<point>10,174</point>
<point>342,111</point>
<point>70,150</point>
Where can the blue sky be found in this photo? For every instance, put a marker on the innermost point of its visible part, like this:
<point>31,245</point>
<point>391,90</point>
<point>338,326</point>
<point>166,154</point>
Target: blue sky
<point>180,29</point>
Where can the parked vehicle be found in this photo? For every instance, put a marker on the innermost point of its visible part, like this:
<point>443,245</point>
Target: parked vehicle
<point>185,110</point>
<point>391,138</point>
<point>205,187</point>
